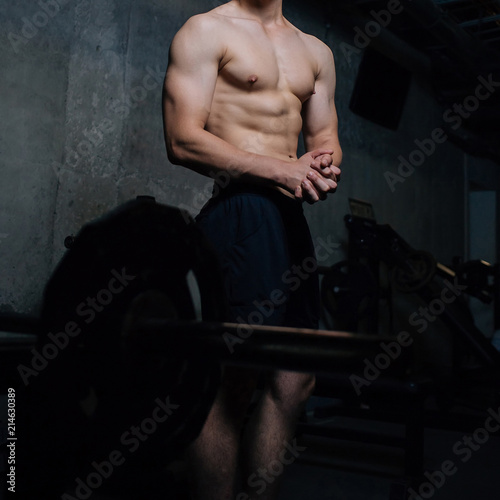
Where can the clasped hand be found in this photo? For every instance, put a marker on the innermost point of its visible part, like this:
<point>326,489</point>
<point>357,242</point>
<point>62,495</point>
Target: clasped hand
<point>321,177</point>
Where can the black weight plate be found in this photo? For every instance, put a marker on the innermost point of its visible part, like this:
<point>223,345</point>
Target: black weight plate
<point>92,392</point>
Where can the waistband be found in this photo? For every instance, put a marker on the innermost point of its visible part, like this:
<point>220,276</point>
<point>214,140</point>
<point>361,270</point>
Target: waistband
<point>256,189</point>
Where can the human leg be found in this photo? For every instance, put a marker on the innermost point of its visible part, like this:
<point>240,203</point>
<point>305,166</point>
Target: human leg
<point>242,229</point>
<point>213,457</point>
<point>271,430</point>
<point>270,433</point>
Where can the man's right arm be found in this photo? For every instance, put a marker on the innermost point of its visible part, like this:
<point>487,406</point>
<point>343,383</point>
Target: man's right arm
<point>195,55</point>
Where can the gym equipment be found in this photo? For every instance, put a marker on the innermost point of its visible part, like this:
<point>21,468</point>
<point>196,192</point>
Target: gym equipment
<point>418,272</point>
<point>119,317</point>
<point>131,262</point>
<point>118,340</point>
<point>351,291</point>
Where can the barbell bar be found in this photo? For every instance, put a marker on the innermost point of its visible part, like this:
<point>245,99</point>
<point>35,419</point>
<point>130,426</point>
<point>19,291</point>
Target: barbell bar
<point>146,346</point>
<point>271,347</point>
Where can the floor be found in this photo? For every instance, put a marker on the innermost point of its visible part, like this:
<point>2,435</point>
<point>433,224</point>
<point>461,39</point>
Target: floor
<point>334,469</point>
<point>458,466</point>
<point>478,479</point>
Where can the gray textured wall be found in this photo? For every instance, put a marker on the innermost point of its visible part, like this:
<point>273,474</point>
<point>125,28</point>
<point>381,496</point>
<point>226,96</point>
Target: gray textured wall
<point>81,132</point>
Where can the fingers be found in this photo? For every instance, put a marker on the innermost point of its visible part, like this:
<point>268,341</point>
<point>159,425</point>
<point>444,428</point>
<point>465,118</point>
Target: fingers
<point>309,194</point>
<point>337,176</point>
<point>322,179</point>
<point>326,161</point>
<point>324,165</point>
<point>321,152</point>
<point>330,172</point>
<point>315,188</point>
<point>323,185</point>
<point>336,170</point>
<point>319,164</point>
<point>321,161</point>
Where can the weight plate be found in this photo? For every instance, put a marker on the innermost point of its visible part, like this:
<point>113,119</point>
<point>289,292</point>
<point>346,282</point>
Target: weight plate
<point>95,392</point>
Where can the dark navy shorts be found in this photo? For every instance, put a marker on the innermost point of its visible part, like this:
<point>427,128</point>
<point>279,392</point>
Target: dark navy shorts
<point>267,256</point>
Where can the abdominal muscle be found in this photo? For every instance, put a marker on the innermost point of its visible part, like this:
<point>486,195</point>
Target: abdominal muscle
<point>265,123</point>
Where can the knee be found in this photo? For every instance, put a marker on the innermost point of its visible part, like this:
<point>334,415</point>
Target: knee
<point>306,387</point>
<point>236,392</point>
<point>291,391</point>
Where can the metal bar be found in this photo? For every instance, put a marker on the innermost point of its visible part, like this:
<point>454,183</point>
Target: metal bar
<point>19,323</point>
<point>469,333</point>
<point>16,342</point>
<point>483,20</point>
<point>415,438</point>
<point>306,350</point>
<point>447,2</point>
<point>430,16</point>
<point>488,31</point>
<point>490,40</point>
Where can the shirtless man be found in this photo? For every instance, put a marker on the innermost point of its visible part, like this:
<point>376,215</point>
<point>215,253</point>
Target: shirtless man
<point>241,84</point>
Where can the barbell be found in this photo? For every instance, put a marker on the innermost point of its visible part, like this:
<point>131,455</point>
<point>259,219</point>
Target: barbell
<point>119,323</point>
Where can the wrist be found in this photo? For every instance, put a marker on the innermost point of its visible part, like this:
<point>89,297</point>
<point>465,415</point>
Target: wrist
<point>279,173</point>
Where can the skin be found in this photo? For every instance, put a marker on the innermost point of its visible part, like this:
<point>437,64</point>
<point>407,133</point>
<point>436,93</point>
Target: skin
<point>241,84</point>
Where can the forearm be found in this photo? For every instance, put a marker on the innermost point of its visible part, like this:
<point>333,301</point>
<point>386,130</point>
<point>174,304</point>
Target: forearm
<point>208,155</point>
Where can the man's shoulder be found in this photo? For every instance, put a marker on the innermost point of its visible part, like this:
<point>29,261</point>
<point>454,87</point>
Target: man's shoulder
<point>215,18</point>
<point>206,21</point>
<point>315,45</point>
<point>201,30</point>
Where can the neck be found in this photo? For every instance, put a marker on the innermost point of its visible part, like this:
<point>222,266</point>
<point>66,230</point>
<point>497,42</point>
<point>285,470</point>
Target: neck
<point>267,11</point>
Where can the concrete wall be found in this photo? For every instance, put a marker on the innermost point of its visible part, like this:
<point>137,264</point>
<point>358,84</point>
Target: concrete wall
<point>81,132</point>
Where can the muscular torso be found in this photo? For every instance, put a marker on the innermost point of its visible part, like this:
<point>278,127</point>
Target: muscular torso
<point>264,78</point>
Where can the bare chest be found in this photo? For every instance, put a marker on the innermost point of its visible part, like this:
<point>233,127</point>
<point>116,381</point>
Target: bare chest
<point>259,61</point>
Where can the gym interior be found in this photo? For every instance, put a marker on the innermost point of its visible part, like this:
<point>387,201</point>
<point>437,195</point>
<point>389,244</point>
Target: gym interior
<point>406,404</point>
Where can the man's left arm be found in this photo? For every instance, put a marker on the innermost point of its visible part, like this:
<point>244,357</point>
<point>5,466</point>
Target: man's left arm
<point>320,123</point>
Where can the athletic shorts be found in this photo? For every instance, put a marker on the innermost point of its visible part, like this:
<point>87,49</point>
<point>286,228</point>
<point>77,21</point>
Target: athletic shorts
<point>264,245</point>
